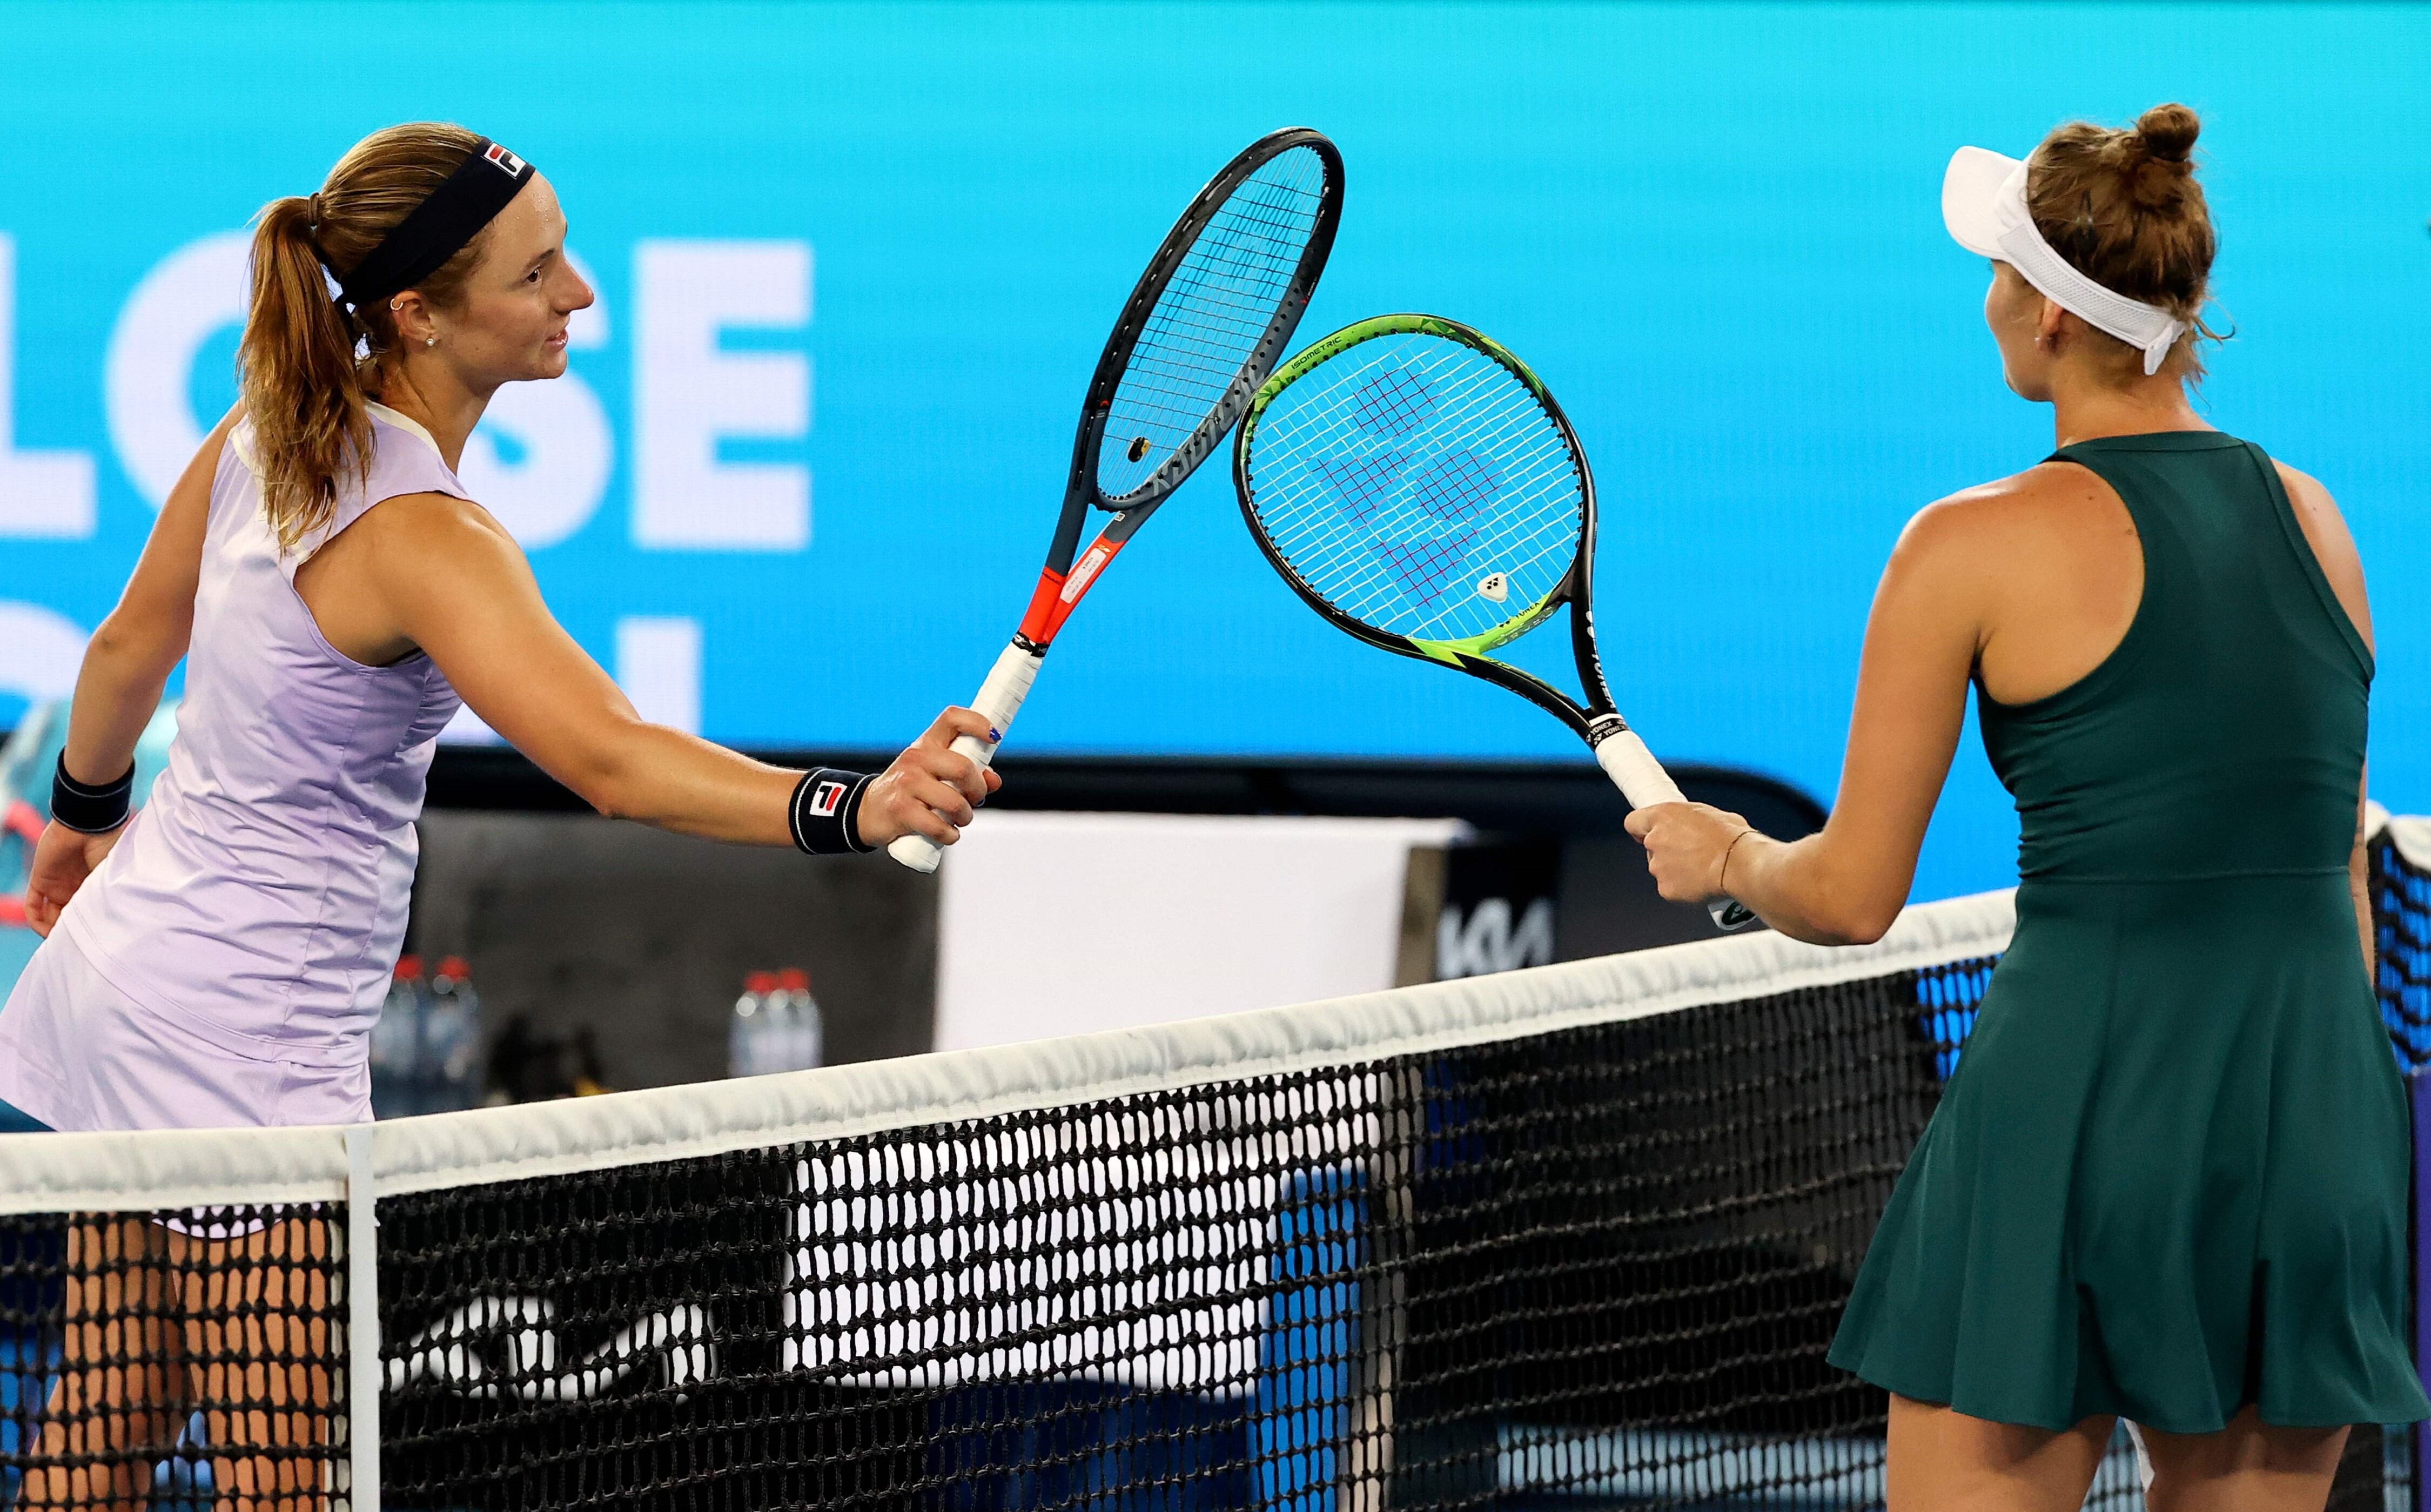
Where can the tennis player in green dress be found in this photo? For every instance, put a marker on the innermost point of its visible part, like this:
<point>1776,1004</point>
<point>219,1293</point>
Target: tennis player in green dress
<point>2167,1181</point>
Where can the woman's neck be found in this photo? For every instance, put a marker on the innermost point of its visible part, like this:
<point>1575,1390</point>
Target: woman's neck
<point>2087,407</point>
<point>432,398</point>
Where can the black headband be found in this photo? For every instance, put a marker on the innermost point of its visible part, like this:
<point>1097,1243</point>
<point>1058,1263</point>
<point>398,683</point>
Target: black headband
<point>437,229</point>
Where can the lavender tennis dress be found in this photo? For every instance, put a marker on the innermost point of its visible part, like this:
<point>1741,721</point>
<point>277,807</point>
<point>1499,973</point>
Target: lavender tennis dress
<point>225,964</point>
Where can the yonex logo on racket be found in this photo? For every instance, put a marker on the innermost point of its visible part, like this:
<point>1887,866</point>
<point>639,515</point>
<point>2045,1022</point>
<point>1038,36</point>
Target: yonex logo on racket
<point>826,798</point>
<point>507,161</point>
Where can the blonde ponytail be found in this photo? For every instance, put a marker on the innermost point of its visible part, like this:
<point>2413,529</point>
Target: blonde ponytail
<point>302,392</point>
<point>308,363</point>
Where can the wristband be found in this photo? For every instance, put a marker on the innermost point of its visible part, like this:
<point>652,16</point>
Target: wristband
<point>89,810</point>
<point>826,801</point>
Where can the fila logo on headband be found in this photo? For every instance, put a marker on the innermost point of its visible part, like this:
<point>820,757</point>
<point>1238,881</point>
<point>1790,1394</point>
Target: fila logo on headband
<point>508,162</point>
<point>824,802</point>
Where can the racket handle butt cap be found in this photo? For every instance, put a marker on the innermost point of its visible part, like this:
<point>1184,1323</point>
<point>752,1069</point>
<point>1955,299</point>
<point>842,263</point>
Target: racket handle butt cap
<point>918,851</point>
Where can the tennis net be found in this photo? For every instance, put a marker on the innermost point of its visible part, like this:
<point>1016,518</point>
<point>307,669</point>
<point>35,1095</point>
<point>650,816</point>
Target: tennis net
<point>1572,1237</point>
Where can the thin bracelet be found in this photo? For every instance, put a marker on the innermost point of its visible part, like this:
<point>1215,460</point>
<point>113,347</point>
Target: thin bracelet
<point>1723,882</point>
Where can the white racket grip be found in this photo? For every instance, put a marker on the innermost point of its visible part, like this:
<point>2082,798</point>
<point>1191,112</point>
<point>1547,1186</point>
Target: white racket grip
<point>1634,770</point>
<point>999,699</point>
<point>1642,781</point>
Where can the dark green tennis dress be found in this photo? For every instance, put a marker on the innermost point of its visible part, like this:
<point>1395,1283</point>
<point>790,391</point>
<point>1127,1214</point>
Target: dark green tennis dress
<point>2169,1177</point>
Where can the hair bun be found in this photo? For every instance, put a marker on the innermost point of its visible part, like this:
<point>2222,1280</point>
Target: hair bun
<point>2167,132</point>
<point>2157,155</point>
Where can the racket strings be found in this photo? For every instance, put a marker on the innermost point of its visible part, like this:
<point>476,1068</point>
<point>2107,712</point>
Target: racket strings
<point>1410,467</point>
<point>1224,294</point>
<point>1383,573</point>
<point>1449,488</point>
<point>1209,319</point>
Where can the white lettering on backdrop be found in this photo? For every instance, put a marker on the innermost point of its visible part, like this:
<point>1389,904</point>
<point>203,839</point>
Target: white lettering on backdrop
<point>567,450</point>
<point>1487,942</point>
<point>45,494</point>
<point>550,479</point>
<point>541,461</point>
<point>657,665</point>
<point>148,378</point>
<point>688,395</point>
<point>39,652</point>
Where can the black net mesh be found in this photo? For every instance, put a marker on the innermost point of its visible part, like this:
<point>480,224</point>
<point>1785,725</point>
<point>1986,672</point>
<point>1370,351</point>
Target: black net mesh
<point>1592,1267</point>
<point>1604,1263</point>
<point>2400,910</point>
<point>173,1360</point>
<point>2386,1469</point>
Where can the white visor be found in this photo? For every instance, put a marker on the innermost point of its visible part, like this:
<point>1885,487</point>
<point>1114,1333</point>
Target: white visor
<point>1984,204</point>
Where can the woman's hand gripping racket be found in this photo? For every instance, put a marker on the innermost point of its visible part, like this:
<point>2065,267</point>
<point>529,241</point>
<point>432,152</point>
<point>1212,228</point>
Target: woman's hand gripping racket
<point>1421,488</point>
<point>1207,323</point>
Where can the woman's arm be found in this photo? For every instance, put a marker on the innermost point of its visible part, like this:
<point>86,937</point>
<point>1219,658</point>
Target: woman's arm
<point>2326,531</point>
<point>1846,883</point>
<point>453,584</point>
<point>126,664</point>
<point>2359,883</point>
<point>132,654</point>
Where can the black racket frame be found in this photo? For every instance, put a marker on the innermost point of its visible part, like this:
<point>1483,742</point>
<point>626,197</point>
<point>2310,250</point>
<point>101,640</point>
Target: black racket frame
<point>1081,490</point>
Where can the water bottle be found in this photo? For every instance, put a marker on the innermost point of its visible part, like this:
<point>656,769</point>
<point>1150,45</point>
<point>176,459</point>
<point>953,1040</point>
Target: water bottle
<point>748,1048</point>
<point>397,1044</point>
<point>803,1040</point>
<point>451,1040</point>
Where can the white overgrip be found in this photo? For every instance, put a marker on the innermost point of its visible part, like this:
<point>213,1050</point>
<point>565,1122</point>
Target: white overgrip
<point>1634,769</point>
<point>999,699</point>
<point>1642,781</point>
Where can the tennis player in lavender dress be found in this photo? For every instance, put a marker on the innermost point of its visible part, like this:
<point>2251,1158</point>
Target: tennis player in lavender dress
<point>334,590</point>
<point>335,594</point>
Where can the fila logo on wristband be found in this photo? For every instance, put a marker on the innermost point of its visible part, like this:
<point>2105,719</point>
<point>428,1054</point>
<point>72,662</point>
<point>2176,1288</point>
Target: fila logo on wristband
<point>822,811</point>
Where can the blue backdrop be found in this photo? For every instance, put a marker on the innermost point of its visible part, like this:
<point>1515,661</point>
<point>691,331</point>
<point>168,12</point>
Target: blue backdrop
<point>855,262</point>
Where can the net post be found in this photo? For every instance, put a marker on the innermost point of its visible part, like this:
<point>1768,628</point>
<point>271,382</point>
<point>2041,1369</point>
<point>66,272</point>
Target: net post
<point>362,1327</point>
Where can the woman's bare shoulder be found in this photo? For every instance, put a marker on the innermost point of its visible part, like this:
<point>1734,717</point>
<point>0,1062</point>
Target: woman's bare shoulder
<point>437,517</point>
<point>2002,514</point>
<point>2326,531</point>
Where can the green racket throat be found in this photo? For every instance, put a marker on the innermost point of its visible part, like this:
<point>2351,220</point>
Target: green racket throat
<point>1456,653</point>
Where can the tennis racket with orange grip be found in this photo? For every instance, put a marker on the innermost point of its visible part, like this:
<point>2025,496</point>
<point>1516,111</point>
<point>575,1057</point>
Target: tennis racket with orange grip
<point>1207,323</point>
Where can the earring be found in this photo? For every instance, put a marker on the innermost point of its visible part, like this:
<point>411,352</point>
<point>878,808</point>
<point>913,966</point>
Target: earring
<point>396,305</point>
<point>430,341</point>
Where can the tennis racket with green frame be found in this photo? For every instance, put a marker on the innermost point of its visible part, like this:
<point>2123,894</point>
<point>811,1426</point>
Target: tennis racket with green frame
<point>1419,487</point>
